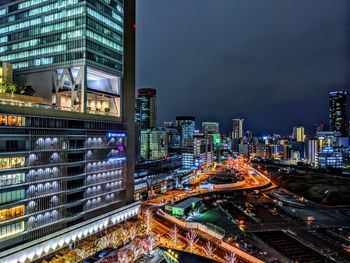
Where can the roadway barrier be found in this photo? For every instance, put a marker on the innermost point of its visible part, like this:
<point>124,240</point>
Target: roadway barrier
<point>228,186</point>
<point>203,228</point>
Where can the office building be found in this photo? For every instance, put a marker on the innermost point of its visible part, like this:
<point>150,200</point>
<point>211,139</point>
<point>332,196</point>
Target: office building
<point>154,143</point>
<point>226,144</point>
<point>262,151</point>
<point>210,128</point>
<point>299,133</point>
<point>200,152</point>
<point>146,108</point>
<point>338,113</point>
<point>174,140</point>
<point>237,128</point>
<point>66,171</point>
<point>326,139</point>
<point>330,159</point>
<point>312,148</point>
<point>186,126</point>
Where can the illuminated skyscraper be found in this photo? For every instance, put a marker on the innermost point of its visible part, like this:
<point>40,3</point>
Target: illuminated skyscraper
<point>66,171</point>
<point>210,127</point>
<point>299,133</point>
<point>146,108</point>
<point>186,126</point>
<point>154,143</point>
<point>337,112</point>
<point>237,128</point>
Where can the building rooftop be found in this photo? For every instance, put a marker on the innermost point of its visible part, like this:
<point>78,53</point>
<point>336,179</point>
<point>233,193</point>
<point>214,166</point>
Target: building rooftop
<point>188,202</point>
<point>185,118</point>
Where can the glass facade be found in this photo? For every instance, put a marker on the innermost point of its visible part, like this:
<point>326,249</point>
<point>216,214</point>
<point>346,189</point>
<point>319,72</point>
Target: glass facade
<point>61,166</point>
<point>56,32</point>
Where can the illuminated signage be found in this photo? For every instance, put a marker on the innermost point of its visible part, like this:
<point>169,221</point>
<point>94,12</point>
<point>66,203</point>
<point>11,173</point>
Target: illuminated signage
<point>117,159</point>
<point>217,139</point>
<point>116,135</point>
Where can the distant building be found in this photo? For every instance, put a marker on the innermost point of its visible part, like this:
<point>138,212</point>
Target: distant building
<point>186,126</point>
<point>210,127</point>
<point>146,108</point>
<point>201,151</point>
<point>297,149</point>
<point>244,150</point>
<point>312,148</point>
<point>169,124</point>
<point>237,128</point>
<point>155,175</point>
<point>330,159</point>
<point>299,133</point>
<point>284,149</point>
<point>338,112</point>
<point>326,139</point>
<point>262,151</point>
<point>174,140</point>
<point>226,144</point>
<point>154,143</point>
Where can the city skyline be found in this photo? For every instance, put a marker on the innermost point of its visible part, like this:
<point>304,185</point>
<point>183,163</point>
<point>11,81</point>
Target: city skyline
<point>233,146</point>
<point>303,54</point>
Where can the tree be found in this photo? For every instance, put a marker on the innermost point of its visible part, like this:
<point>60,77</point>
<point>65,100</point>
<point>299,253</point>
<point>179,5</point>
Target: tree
<point>115,238</point>
<point>83,253</point>
<point>16,88</point>
<point>151,241</point>
<point>209,249</point>
<point>133,231</point>
<point>86,248</point>
<point>192,239</point>
<point>123,256</point>
<point>174,236</point>
<point>124,234</point>
<point>135,251</point>
<point>104,242</point>
<point>230,258</point>
<point>148,218</point>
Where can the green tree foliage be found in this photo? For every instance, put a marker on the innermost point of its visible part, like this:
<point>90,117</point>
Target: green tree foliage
<point>16,88</point>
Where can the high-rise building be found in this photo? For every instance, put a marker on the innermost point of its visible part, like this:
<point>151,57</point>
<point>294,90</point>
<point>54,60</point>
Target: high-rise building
<point>146,108</point>
<point>154,143</point>
<point>327,140</point>
<point>338,112</point>
<point>210,127</point>
<point>330,159</point>
<point>200,152</point>
<point>299,133</point>
<point>312,148</point>
<point>66,171</point>
<point>174,140</point>
<point>237,128</point>
<point>186,126</point>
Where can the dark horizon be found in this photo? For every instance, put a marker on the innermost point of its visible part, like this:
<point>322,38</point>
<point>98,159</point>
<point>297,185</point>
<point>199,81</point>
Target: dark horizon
<point>271,63</point>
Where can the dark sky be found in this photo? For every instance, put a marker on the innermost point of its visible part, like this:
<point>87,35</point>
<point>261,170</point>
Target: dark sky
<point>271,62</point>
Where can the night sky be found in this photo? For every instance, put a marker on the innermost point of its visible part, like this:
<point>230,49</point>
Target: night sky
<point>271,62</point>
